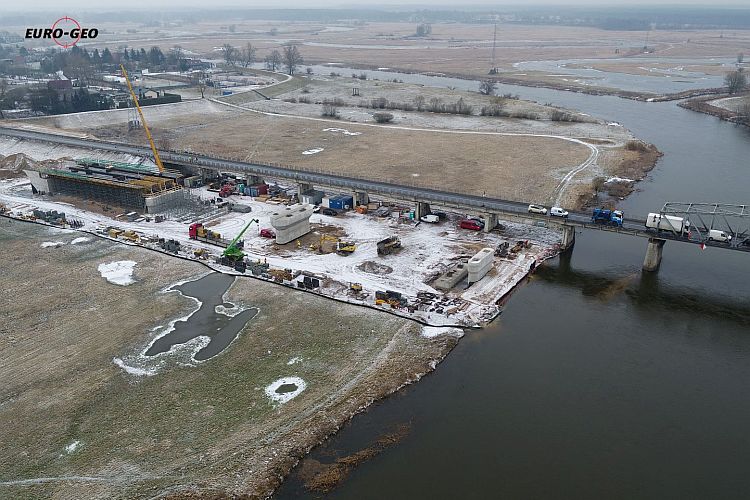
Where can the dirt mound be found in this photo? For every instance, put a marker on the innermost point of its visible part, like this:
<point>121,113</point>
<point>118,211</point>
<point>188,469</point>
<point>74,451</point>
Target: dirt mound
<point>374,268</point>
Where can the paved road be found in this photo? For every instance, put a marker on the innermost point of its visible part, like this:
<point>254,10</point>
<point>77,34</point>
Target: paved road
<point>633,225</point>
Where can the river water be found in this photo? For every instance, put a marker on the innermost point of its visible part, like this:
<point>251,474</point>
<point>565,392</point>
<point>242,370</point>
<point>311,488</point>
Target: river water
<point>597,381</point>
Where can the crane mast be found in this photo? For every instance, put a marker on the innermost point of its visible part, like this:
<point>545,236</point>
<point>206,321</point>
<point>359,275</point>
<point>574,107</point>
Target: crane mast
<point>157,159</point>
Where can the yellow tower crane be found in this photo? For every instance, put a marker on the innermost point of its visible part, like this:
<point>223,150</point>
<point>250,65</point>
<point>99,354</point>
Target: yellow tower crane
<point>159,164</point>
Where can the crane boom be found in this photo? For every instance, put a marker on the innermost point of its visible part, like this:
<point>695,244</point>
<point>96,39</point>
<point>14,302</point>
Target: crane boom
<point>232,250</point>
<point>159,164</point>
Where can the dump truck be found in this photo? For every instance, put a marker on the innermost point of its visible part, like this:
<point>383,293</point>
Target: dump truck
<point>388,245</point>
<point>607,217</point>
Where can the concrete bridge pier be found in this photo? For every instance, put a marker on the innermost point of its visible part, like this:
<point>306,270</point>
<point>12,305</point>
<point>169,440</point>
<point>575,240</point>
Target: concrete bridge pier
<point>568,238</point>
<point>361,198</point>
<point>421,210</point>
<point>302,188</point>
<point>252,180</point>
<point>490,221</point>
<point>653,254</point>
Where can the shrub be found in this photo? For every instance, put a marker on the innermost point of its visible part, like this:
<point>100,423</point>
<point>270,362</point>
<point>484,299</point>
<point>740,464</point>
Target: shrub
<point>493,110</point>
<point>330,111</point>
<point>290,99</point>
<point>382,117</point>
<point>304,100</point>
<point>636,146</point>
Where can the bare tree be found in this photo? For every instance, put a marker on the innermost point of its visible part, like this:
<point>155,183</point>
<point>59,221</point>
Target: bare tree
<point>230,54</point>
<point>330,110</point>
<point>419,102</point>
<point>435,105</point>
<point>3,91</point>
<point>487,87</point>
<point>247,55</point>
<point>736,81</point>
<point>199,80</point>
<point>273,60</point>
<point>292,58</point>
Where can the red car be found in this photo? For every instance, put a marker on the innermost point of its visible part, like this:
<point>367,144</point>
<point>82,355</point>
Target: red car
<point>471,224</point>
<point>267,233</point>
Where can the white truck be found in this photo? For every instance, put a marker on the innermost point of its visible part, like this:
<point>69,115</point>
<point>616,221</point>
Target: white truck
<point>668,223</point>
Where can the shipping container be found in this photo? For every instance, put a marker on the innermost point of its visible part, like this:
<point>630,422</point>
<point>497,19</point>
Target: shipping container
<point>326,202</point>
<point>312,197</point>
<point>341,202</point>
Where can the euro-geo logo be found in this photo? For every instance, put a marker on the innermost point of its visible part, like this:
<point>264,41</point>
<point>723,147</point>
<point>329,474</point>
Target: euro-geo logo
<point>65,32</point>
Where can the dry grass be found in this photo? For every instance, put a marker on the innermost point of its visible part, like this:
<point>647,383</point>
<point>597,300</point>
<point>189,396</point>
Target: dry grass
<point>510,167</point>
<point>206,429</point>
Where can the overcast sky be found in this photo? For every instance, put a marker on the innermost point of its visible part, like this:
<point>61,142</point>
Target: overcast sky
<point>63,5</point>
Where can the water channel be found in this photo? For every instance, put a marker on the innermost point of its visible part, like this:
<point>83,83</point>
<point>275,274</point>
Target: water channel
<point>221,328</point>
<point>597,381</point>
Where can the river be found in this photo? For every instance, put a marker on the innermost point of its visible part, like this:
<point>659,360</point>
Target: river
<point>597,381</point>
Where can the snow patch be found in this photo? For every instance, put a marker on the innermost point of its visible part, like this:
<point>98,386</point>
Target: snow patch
<point>434,331</point>
<point>72,447</point>
<point>294,360</point>
<point>140,372</point>
<point>287,396</point>
<point>312,151</point>
<point>619,179</point>
<point>342,130</point>
<point>119,273</point>
<point>82,239</point>
<point>55,244</point>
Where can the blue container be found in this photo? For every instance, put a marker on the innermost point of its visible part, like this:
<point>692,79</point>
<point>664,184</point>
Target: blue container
<point>336,203</point>
<point>248,192</point>
<point>226,92</point>
<point>341,202</point>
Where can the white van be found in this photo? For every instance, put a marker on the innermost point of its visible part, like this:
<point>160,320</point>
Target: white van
<point>432,219</point>
<point>717,235</point>
<point>558,212</point>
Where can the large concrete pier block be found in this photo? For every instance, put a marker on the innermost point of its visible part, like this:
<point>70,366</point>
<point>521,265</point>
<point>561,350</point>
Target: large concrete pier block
<point>653,254</point>
<point>490,221</point>
<point>568,237</point>
<point>302,188</point>
<point>421,210</point>
<point>361,198</point>
<point>291,222</point>
<point>480,264</point>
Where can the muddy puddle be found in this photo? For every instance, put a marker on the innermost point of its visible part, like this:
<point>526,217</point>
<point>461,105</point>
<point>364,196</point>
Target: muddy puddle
<point>216,319</point>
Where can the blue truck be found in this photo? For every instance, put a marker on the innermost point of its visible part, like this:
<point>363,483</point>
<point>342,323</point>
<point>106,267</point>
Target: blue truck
<point>606,216</point>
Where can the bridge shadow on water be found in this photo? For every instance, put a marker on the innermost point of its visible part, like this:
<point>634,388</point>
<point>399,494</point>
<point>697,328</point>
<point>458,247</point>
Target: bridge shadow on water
<point>645,290</point>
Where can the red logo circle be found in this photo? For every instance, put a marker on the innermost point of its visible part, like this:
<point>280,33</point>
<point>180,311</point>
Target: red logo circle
<point>73,25</point>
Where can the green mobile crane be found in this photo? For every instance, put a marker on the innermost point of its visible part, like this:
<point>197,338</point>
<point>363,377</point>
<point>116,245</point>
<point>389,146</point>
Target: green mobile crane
<point>233,256</point>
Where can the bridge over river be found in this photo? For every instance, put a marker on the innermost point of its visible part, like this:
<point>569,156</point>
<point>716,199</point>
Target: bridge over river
<point>732,219</point>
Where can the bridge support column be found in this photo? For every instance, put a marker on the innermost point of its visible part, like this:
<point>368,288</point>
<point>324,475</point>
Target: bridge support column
<point>568,238</point>
<point>421,210</point>
<point>361,198</point>
<point>302,188</point>
<point>490,221</point>
<point>253,180</point>
<point>653,254</point>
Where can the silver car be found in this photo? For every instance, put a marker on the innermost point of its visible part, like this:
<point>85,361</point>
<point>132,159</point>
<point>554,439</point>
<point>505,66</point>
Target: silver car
<point>537,209</point>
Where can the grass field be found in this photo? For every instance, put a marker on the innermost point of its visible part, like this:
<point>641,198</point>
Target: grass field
<point>208,429</point>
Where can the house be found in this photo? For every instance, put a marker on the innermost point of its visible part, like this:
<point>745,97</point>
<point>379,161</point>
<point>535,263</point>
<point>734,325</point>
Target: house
<point>63,89</point>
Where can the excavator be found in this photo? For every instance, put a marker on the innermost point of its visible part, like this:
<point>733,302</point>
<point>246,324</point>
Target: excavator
<point>233,256</point>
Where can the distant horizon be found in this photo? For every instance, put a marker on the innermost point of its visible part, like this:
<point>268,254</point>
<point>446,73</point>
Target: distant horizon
<point>88,5</point>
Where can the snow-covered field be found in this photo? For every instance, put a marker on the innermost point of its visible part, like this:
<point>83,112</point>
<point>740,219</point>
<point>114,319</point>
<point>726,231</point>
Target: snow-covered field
<point>428,250</point>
